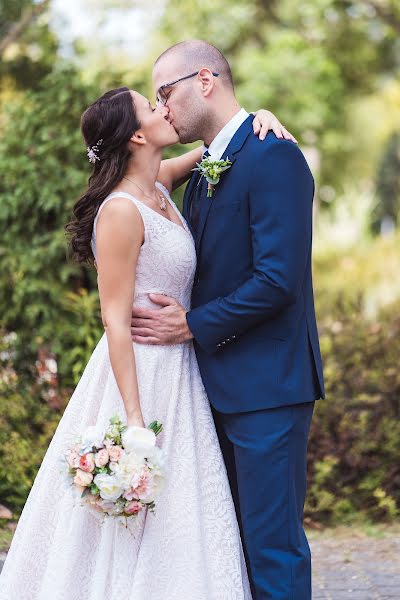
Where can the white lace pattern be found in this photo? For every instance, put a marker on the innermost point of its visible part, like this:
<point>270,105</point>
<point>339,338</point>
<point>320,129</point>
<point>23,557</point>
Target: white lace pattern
<point>190,549</point>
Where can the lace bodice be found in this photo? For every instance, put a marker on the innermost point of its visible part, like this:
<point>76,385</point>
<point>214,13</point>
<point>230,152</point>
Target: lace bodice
<point>167,259</point>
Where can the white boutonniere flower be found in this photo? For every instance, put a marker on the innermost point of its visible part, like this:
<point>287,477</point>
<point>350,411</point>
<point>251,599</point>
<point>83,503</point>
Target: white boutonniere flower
<point>212,170</point>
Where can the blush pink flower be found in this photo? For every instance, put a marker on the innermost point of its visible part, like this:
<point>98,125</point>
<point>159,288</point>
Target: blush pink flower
<point>86,462</point>
<point>73,459</point>
<point>130,494</point>
<point>133,508</point>
<point>82,478</point>
<point>101,457</point>
<point>144,484</point>
<point>115,453</point>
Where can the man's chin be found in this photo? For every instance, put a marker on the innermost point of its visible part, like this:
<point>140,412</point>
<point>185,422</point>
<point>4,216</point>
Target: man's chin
<point>186,138</point>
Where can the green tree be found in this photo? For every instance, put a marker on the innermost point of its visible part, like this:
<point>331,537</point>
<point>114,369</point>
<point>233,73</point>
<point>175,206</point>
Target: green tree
<point>306,61</point>
<point>44,169</point>
<point>28,48</point>
<point>388,185</point>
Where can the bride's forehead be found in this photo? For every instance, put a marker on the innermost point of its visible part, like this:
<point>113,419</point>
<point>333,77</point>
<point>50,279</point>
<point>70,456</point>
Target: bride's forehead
<point>140,101</point>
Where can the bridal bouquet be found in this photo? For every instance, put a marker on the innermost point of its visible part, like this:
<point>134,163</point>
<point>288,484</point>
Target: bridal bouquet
<point>117,471</point>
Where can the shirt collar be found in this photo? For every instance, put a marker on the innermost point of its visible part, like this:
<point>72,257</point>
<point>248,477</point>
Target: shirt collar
<point>222,139</point>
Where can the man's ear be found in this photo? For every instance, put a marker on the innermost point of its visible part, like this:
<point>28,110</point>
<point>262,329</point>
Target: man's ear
<point>138,138</point>
<point>206,79</point>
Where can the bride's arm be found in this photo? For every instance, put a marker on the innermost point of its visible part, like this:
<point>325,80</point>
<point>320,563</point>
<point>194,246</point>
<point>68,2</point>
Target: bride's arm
<point>119,236</point>
<point>175,171</point>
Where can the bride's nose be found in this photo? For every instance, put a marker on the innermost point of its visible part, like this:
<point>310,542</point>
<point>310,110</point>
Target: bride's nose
<point>164,111</point>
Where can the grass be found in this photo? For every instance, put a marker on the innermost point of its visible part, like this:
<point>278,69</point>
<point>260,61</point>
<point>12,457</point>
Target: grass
<point>362,529</point>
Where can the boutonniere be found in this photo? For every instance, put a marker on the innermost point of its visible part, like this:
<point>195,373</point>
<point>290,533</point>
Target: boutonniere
<point>212,170</point>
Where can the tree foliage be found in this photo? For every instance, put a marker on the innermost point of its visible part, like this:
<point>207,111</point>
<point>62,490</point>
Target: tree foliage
<point>44,170</point>
<point>28,48</point>
<point>306,61</point>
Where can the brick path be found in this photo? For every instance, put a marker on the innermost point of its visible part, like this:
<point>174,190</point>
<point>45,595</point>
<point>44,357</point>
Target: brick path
<point>350,565</point>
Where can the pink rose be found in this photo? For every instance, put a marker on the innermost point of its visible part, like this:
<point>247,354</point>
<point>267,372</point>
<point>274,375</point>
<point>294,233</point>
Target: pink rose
<point>144,484</point>
<point>115,453</point>
<point>86,462</point>
<point>101,458</point>
<point>73,459</point>
<point>133,508</point>
<point>130,494</point>
<point>82,478</point>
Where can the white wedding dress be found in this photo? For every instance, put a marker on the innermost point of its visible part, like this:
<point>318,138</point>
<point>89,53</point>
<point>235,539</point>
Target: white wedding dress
<point>190,549</point>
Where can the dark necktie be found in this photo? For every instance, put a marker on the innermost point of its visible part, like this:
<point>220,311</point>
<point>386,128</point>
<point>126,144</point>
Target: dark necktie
<point>199,193</point>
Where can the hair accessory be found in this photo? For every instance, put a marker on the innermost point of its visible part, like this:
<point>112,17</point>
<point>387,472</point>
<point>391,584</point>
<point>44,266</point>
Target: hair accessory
<point>92,152</point>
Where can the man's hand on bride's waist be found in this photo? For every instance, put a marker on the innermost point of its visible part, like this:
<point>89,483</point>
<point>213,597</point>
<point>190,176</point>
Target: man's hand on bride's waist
<point>164,326</point>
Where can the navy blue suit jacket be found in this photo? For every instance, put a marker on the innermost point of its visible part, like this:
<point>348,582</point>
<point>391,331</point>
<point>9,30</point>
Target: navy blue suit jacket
<point>252,314</point>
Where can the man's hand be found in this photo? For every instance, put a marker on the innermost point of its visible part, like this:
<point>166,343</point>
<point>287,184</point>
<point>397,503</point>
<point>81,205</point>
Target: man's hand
<point>165,326</point>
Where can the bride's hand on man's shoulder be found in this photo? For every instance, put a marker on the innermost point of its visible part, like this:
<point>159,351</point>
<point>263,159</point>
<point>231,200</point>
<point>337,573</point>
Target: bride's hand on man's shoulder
<point>265,120</point>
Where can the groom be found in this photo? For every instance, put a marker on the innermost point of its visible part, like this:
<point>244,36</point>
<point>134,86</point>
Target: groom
<point>252,316</point>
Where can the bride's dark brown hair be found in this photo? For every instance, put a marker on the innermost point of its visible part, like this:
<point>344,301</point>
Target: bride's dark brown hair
<point>111,119</point>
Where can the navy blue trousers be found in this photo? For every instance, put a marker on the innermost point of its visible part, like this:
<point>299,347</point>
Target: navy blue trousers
<point>265,454</point>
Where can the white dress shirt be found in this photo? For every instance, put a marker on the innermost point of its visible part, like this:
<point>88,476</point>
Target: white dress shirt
<point>222,139</point>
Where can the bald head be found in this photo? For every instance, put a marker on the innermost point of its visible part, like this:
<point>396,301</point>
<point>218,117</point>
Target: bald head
<point>194,80</point>
<point>193,55</point>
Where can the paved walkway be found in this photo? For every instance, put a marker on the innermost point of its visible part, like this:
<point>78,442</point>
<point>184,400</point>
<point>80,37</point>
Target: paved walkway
<point>349,565</point>
<point>354,566</point>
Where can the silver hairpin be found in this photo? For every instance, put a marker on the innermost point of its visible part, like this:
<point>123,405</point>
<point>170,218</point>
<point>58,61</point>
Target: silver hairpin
<point>92,152</point>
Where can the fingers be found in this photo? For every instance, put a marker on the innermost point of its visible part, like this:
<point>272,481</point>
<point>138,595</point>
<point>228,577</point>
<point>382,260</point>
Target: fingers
<point>256,125</point>
<point>284,133</point>
<point>277,128</point>
<point>142,332</point>
<point>149,323</point>
<point>263,131</point>
<point>143,313</point>
<point>288,136</point>
<point>152,341</point>
<point>162,300</point>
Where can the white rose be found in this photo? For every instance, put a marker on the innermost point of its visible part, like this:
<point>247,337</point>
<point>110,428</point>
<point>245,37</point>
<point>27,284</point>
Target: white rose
<point>109,486</point>
<point>128,468</point>
<point>138,439</point>
<point>93,436</point>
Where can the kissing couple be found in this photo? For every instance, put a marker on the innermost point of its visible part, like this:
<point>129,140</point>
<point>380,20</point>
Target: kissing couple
<point>209,328</point>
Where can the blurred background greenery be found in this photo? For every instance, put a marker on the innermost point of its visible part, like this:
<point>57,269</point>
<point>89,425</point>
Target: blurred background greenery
<point>330,70</point>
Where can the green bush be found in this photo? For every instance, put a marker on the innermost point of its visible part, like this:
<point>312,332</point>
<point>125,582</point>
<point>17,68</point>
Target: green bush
<point>354,447</point>
<point>30,408</point>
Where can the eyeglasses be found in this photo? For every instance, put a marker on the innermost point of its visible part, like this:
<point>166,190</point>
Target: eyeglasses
<point>162,96</point>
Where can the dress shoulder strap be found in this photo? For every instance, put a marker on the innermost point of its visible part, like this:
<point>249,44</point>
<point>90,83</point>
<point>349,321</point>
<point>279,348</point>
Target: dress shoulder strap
<point>135,201</point>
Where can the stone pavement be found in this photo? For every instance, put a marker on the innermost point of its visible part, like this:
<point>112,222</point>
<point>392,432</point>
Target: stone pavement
<point>351,565</point>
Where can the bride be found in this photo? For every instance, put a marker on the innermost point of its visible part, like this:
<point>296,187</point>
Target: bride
<point>127,224</point>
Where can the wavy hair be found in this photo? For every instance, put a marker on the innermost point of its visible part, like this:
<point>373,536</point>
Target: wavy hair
<point>112,119</point>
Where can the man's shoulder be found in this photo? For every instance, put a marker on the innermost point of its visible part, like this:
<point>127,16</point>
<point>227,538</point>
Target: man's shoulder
<point>271,144</point>
<point>272,150</point>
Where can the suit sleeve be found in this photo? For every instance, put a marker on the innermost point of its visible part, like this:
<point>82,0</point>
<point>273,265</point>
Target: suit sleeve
<point>280,205</point>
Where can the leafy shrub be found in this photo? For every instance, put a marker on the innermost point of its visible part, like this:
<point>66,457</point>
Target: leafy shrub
<point>354,445</point>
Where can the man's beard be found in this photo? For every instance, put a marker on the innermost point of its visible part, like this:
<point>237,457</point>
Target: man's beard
<point>187,135</point>
<point>195,129</point>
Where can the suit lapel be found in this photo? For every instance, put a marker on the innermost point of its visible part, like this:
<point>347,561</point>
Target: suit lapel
<point>233,148</point>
